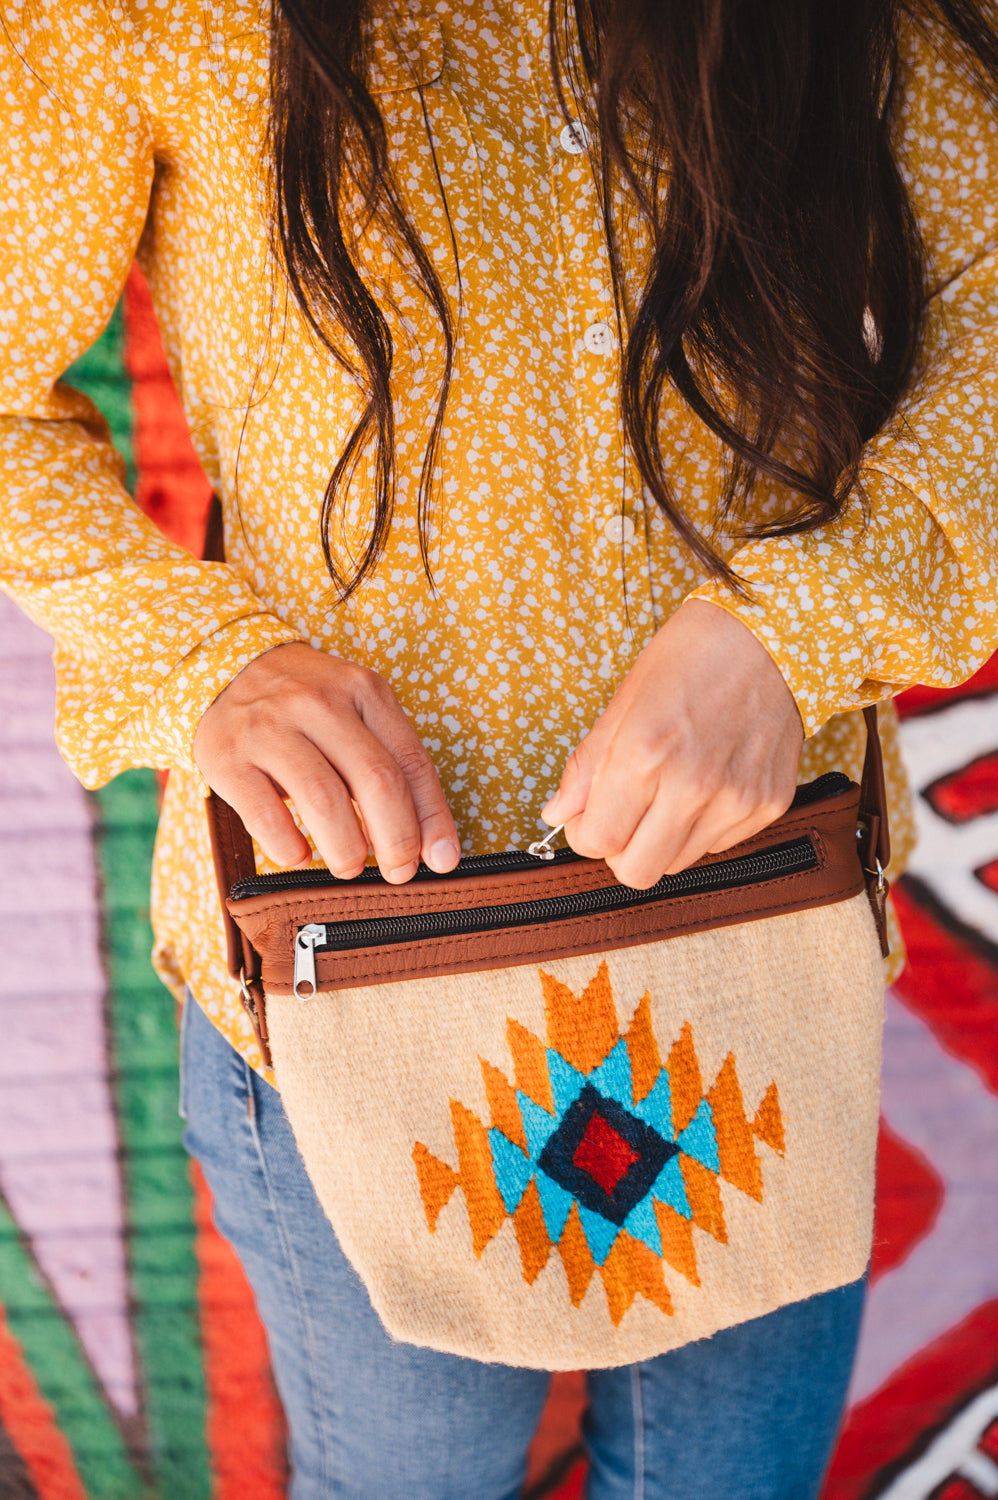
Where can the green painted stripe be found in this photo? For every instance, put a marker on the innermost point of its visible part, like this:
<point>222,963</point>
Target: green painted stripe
<point>143,1042</point>
<point>160,1203</point>
<point>47,1338</point>
<point>100,374</point>
<point>52,1351</point>
<point>158,1189</point>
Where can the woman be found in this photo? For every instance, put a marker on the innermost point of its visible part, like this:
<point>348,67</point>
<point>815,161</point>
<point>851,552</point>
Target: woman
<point>601,404</point>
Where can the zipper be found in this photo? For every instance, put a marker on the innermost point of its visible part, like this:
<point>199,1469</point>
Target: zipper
<point>831,784</point>
<point>307,940</point>
<point>791,858</point>
<point>472,864</point>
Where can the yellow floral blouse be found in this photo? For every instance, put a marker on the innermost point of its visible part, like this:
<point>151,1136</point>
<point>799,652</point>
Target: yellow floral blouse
<point>138,128</point>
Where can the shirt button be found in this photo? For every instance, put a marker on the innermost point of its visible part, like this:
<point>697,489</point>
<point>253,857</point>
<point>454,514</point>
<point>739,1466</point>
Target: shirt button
<point>598,338</point>
<point>619,529</point>
<point>574,138</point>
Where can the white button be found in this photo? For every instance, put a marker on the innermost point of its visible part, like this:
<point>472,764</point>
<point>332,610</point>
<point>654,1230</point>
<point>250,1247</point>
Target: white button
<point>619,529</point>
<point>574,138</point>
<point>598,338</point>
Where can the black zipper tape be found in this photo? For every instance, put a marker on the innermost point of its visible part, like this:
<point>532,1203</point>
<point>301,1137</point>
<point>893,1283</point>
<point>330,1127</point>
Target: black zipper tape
<point>831,784</point>
<point>794,857</point>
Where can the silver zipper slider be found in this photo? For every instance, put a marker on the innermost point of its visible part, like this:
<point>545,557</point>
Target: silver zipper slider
<point>542,849</point>
<point>305,944</point>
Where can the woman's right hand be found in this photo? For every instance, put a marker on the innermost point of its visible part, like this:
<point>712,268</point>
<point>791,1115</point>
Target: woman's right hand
<point>301,725</point>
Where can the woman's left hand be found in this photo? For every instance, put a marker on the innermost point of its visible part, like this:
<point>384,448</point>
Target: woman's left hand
<point>697,750</point>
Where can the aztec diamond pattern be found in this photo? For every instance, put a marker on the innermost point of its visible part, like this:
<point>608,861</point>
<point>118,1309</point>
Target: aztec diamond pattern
<point>601,1150</point>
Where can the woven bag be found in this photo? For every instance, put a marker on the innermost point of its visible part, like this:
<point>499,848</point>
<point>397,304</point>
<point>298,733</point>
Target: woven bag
<point>563,1124</point>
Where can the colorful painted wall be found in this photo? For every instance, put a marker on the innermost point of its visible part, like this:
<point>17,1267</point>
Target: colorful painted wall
<point>131,1361</point>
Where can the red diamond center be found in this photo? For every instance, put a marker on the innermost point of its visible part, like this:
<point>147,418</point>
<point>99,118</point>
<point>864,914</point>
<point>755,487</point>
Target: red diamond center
<point>604,1154</point>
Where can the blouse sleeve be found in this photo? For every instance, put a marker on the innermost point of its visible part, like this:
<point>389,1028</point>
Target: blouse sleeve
<point>903,586</point>
<point>146,636</point>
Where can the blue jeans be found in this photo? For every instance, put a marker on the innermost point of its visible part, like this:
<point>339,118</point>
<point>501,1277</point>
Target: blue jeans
<point>750,1414</point>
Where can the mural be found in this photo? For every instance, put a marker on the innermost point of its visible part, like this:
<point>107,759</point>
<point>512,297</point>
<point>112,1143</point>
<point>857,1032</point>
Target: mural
<point>132,1364</point>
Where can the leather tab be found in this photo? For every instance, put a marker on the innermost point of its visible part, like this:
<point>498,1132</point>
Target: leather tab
<point>874,827</point>
<point>232,854</point>
<point>255,1006</point>
<point>873,791</point>
<point>214,537</point>
<point>233,857</point>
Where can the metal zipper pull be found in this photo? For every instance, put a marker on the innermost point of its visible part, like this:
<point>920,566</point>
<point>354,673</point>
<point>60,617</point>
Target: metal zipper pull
<point>542,848</point>
<point>305,944</point>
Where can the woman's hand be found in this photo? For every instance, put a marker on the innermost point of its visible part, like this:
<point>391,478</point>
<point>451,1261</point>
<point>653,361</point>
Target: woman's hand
<point>330,736</point>
<point>696,751</point>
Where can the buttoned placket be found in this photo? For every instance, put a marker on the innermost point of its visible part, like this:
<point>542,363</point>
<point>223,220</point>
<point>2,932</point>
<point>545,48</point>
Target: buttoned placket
<point>618,536</point>
<point>617,508</point>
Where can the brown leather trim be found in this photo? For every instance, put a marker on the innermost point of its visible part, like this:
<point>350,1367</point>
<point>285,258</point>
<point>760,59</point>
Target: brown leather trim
<point>269,922</point>
<point>255,1005</point>
<point>875,837</point>
<point>873,792</point>
<point>232,853</point>
<point>342,902</point>
<point>233,858</point>
<point>214,535</point>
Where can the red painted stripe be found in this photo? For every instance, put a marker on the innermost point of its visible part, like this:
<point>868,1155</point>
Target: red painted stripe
<point>31,1426</point>
<point>920,700</point>
<point>244,1423</point>
<point>573,1487</point>
<point>958,1489</point>
<point>989,1442</point>
<point>172,488</point>
<point>971,792</point>
<point>559,1431</point>
<point>886,1428</point>
<point>951,986</point>
<point>910,1193</point>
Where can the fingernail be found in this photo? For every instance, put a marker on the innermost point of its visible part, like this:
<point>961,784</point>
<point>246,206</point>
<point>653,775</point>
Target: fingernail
<point>443,856</point>
<point>402,873</point>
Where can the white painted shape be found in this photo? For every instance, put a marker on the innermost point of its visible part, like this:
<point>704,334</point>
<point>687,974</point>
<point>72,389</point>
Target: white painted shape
<point>951,1451</point>
<point>945,858</point>
<point>947,854</point>
<point>59,1170</point>
<point>982,1471</point>
<point>937,743</point>
<point>940,1106</point>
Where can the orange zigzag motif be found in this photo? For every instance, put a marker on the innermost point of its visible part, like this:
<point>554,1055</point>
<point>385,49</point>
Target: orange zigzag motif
<point>600,1150</point>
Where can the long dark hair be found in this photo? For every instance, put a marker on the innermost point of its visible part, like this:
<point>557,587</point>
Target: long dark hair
<point>785,295</point>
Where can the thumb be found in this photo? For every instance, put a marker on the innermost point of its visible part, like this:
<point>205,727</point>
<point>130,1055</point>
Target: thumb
<point>570,798</point>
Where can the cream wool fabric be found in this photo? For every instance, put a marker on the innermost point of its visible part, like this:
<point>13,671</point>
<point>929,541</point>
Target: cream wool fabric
<point>796,999</point>
<point>139,127</point>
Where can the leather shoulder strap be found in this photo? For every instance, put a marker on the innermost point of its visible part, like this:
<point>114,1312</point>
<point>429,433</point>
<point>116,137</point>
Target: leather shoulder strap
<point>874,833</point>
<point>231,845</point>
<point>214,536</point>
<point>873,793</point>
<point>232,852</point>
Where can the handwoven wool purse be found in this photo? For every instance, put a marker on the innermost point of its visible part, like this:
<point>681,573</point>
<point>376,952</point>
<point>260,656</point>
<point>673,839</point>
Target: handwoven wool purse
<point>559,1123</point>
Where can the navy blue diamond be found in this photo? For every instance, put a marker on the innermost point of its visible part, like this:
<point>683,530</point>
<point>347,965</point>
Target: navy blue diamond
<point>557,1158</point>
